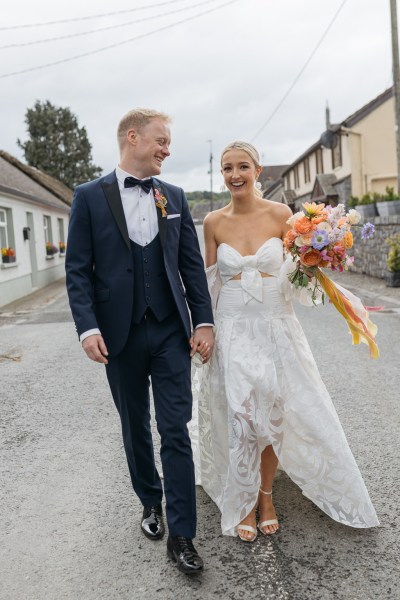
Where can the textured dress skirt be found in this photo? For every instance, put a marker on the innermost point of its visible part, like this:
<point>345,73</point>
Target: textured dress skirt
<point>263,387</point>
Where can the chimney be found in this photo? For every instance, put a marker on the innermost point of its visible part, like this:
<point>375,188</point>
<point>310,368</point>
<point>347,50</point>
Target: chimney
<point>327,115</point>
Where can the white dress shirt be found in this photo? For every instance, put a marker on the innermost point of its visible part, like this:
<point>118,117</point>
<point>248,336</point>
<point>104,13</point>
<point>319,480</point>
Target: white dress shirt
<point>139,209</point>
<point>141,219</point>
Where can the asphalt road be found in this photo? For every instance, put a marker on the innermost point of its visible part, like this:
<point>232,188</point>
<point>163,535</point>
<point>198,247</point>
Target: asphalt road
<point>70,523</point>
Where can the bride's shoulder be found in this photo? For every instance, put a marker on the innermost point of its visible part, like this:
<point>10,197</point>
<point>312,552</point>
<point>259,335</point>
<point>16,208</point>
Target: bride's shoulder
<point>212,219</point>
<point>278,209</point>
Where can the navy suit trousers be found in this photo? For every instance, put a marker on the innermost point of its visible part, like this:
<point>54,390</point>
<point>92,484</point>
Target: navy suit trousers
<point>159,351</point>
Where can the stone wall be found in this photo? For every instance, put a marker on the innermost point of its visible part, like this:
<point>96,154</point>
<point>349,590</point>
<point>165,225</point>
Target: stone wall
<point>370,255</point>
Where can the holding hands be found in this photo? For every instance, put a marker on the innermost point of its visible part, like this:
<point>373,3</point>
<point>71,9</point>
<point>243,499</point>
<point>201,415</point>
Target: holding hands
<point>202,341</point>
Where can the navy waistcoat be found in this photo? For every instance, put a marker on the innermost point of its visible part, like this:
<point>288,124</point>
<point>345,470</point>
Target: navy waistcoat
<point>151,289</point>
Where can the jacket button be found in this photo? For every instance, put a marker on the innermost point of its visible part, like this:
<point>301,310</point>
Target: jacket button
<point>146,260</point>
<point>147,285</point>
<point>146,273</point>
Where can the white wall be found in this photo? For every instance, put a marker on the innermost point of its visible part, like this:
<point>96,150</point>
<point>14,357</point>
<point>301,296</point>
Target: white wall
<point>15,278</point>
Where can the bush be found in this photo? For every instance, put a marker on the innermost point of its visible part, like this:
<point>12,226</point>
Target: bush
<point>390,195</point>
<point>353,201</point>
<point>366,199</point>
<point>393,259</point>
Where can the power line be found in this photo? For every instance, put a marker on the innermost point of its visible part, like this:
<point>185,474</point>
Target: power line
<point>109,47</point>
<point>108,14</point>
<point>296,79</point>
<point>108,28</point>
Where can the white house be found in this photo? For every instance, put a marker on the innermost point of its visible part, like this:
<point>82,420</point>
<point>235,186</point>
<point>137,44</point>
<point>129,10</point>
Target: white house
<point>34,215</point>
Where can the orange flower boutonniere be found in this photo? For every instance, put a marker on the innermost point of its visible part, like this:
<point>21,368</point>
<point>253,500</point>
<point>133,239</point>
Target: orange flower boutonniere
<point>161,201</point>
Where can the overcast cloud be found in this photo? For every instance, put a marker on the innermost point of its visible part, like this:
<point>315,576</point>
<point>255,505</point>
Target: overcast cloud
<point>220,76</point>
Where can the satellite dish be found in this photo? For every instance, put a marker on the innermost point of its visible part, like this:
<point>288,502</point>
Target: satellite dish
<point>329,139</point>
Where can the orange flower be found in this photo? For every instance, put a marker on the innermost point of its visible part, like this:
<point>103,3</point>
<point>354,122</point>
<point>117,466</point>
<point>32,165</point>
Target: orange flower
<point>311,258</point>
<point>303,225</point>
<point>348,239</point>
<point>319,219</point>
<point>289,239</point>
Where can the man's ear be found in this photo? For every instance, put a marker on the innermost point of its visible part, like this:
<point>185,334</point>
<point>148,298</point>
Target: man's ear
<point>131,136</point>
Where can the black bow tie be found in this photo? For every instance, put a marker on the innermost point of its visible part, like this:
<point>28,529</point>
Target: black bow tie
<point>146,185</point>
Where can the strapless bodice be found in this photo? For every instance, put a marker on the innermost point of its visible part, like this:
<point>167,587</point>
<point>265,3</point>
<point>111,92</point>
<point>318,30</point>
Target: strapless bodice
<point>268,259</point>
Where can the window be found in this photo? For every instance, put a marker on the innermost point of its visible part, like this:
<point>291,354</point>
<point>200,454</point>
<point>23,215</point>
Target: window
<point>307,177</point>
<point>3,229</point>
<point>319,163</point>
<point>296,177</point>
<point>61,236</point>
<point>7,241</point>
<point>48,236</point>
<point>61,230</point>
<point>337,153</point>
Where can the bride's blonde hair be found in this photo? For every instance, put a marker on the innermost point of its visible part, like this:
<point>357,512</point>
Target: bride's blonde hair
<point>250,150</point>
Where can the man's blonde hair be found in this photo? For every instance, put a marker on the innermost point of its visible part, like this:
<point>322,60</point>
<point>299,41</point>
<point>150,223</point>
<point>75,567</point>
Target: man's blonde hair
<point>137,119</point>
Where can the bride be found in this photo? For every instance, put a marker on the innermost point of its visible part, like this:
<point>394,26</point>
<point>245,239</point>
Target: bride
<point>261,399</point>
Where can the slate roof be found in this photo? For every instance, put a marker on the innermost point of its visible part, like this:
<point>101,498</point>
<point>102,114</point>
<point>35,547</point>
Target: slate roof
<point>29,183</point>
<point>324,186</point>
<point>270,174</point>
<point>289,196</point>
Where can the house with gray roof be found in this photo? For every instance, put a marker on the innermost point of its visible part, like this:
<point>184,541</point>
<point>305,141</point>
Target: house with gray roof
<point>34,216</point>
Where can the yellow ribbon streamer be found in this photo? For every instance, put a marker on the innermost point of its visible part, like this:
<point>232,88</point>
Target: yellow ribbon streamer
<point>362,330</point>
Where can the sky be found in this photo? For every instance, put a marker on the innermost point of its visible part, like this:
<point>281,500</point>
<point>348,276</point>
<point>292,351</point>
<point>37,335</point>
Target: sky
<point>221,75</point>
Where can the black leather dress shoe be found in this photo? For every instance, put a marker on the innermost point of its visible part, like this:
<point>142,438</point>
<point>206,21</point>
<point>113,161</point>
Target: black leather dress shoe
<point>182,551</point>
<point>152,522</point>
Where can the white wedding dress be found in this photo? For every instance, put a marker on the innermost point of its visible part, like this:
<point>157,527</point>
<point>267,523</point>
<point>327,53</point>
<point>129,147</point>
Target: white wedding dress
<point>261,387</point>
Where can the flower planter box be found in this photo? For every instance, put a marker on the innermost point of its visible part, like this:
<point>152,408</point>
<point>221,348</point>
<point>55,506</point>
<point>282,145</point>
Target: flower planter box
<point>388,209</point>
<point>8,259</point>
<point>393,278</point>
<point>367,211</point>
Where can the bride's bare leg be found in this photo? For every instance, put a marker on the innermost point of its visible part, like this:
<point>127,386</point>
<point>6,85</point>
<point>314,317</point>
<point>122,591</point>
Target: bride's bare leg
<point>269,463</point>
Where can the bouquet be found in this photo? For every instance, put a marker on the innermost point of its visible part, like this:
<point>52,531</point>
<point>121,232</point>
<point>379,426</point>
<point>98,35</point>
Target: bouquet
<point>320,237</point>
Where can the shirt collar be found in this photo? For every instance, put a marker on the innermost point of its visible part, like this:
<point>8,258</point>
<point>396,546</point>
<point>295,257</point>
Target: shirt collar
<point>121,175</point>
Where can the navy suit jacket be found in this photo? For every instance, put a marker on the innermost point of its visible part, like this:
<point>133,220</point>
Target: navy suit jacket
<point>99,263</point>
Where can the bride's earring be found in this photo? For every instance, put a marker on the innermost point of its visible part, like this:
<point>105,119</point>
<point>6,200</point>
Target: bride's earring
<point>222,188</point>
<point>258,185</point>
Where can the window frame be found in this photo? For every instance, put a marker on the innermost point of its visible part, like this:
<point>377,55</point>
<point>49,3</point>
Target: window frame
<point>48,233</point>
<point>337,156</point>
<point>319,161</point>
<point>306,168</point>
<point>4,228</point>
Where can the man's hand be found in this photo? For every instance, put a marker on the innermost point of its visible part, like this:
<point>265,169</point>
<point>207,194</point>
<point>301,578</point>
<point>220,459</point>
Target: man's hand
<point>202,341</point>
<point>95,348</point>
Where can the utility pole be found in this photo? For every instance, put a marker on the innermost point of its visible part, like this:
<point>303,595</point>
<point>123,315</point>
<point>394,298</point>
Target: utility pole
<point>396,82</point>
<point>210,172</point>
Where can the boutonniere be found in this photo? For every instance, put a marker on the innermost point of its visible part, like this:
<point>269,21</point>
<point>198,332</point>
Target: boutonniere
<point>161,201</point>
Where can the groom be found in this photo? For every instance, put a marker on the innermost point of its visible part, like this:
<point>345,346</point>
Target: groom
<point>134,271</point>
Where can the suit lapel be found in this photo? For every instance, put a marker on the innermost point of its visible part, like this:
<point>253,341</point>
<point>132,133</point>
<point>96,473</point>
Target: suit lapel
<point>113,196</point>
<point>162,221</point>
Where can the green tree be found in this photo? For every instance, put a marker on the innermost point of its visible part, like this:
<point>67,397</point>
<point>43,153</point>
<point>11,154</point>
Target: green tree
<point>57,145</point>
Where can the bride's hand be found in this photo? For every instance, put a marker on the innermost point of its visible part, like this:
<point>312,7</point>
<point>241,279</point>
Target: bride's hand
<point>202,341</point>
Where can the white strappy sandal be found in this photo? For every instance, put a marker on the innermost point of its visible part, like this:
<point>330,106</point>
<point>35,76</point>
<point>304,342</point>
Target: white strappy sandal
<point>270,521</point>
<point>247,528</point>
